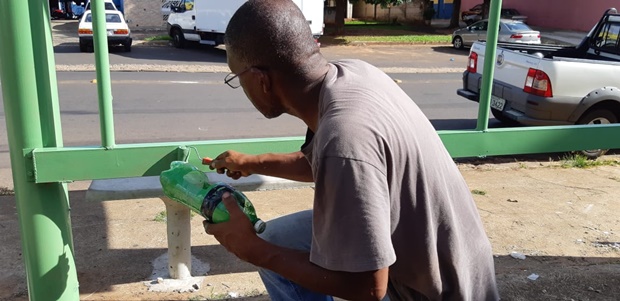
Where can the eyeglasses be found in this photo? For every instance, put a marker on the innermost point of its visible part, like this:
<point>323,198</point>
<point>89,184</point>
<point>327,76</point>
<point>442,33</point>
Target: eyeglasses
<point>232,80</point>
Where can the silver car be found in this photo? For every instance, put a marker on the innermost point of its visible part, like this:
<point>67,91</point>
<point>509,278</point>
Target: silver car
<point>509,31</point>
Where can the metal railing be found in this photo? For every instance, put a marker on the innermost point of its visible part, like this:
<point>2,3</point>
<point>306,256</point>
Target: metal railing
<point>41,165</point>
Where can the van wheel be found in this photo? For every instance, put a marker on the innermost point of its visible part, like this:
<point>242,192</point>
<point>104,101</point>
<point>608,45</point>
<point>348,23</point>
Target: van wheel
<point>178,40</point>
<point>598,116</point>
<point>458,43</point>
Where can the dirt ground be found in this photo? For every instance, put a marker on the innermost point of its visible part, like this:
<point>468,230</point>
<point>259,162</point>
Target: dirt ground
<point>565,221</point>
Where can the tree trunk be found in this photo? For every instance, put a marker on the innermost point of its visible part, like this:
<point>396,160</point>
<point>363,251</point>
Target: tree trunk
<point>341,13</point>
<point>486,5</point>
<point>375,17</point>
<point>456,14</point>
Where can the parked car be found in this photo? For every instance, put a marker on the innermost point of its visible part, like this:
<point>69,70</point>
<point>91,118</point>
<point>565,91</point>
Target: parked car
<point>509,31</point>
<point>512,14</point>
<point>59,14</point>
<point>118,32</point>
<point>473,14</point>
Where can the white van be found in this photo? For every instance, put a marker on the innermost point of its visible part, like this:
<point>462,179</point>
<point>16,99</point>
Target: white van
<point>205,21</point>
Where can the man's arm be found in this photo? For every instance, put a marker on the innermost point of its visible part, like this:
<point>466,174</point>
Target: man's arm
<point>291,166</point>
<point>238,236</point>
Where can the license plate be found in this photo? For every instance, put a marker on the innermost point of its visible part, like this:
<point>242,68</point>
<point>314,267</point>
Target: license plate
<point>497,103</point>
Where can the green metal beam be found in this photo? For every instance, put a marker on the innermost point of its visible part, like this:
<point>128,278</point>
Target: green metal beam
<point>134,160</point>
<point>102,67</point>
<point>489,65</point>
<point>31,116</point>
<point>530,140</point>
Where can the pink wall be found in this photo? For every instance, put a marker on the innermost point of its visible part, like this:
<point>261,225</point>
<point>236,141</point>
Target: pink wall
<point>559,14</point>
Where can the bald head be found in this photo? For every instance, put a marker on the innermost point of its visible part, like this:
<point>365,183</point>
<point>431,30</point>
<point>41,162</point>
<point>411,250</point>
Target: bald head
<point>272,34</point>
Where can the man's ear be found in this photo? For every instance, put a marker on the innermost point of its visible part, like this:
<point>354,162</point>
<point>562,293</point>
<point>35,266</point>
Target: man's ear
<point>265,81</point>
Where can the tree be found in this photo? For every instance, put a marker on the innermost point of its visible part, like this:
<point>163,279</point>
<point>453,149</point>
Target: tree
<point>456,14</point>
<point>486,5</point>
<point>341,13</point>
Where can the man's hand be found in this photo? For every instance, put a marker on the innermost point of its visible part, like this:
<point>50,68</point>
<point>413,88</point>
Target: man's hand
<point>237,235</point>
<point>234,164</point>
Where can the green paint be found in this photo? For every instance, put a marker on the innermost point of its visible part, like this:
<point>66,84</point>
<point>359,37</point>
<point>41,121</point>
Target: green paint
<point>31,110</point>
<point>102,65</point>
<point>489,66</point>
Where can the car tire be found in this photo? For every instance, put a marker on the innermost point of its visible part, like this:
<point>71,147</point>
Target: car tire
<point>83,47</point>
<point>457,43</point>
<point>127,46</point>
<point>178,40</point>
<point>597,116</point>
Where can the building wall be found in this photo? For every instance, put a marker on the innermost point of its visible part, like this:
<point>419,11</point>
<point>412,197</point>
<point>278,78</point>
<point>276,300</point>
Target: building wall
<point>145,15</point>
<point>577,15</point>
<point>410,12</point>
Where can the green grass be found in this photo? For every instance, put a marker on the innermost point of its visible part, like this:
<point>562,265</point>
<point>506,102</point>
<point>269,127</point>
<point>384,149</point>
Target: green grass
<point>357,31</point>
<point>157,38</point>
<point>478,192</point>
<point>4,191</point>
<point>365,22</point>
<point>581,161</point>
<point>161,217</point>
<point>415,39</point>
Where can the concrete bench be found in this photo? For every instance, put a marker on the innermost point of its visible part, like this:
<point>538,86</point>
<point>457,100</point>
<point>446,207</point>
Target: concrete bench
<point>178,215</point>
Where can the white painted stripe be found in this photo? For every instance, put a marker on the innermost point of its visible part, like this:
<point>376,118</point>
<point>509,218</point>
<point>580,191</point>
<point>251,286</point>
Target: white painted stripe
<point>224,69</point>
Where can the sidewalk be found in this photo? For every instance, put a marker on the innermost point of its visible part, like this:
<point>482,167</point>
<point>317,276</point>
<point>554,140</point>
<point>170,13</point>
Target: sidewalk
<point>563,220</point>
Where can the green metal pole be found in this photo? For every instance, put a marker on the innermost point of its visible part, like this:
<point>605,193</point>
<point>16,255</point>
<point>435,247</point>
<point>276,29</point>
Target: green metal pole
<point>42,208</point>
<point>489,66</point>
<point>102,65</point>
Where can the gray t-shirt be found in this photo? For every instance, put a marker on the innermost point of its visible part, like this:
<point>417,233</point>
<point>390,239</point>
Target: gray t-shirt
<point>388,194</point>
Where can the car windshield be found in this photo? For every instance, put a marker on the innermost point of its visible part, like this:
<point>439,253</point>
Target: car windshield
<point>109,18</point>
<point>108,6</point>
<point>518,26</point>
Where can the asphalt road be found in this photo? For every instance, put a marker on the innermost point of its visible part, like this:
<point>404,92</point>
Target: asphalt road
<point>192,105</point>
<point>173,106</point>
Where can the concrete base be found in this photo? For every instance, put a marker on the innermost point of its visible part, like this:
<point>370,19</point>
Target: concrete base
<point>160,280</point>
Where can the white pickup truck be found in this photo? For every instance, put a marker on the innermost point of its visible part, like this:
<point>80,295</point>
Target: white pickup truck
<point>553,85</point>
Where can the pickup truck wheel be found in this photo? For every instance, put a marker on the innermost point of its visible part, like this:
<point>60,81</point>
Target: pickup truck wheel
<point>458,43</point>
<point>178,40</point>
<point>598,116</point>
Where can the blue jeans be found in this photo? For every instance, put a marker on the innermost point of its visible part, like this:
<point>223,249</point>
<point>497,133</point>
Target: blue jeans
<point>292,231</point>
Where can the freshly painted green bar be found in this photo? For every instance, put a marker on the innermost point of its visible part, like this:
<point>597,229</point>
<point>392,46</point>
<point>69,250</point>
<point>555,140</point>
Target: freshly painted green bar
<point>102,66</point>
<point>489,66</point>
<point>43,209</point>
<point>133,160</point>
<point>530,140</point>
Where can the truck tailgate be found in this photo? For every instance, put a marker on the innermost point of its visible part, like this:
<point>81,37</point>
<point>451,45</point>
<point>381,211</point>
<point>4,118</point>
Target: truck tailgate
<point>511,68</point>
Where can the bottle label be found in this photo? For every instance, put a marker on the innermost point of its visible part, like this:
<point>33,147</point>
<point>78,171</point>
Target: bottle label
<point>214,198</point>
